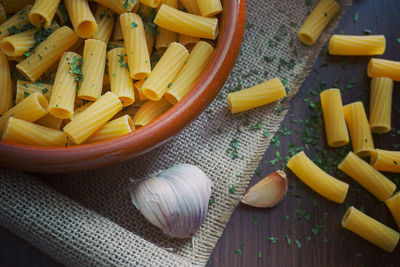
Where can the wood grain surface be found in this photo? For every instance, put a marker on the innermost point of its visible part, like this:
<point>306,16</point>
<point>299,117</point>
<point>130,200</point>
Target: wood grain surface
<point>303,216</point>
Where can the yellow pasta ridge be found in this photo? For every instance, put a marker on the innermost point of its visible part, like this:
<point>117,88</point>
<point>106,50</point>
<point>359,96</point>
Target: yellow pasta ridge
<point>17,44</point>
<point>115,128</point>
<point>209,8</point>
<point>6,90</point>
<point>317,179</point>
<point>385,160</point>
<point>42,12</point>
<point>82,18</point>
<point>357,45</point>
<point>372,180</point>
<point>151,3</point>
<point>105,22</point>
<point>19,19</point>
<point>191,6</point>
<point>150,111</point>
<point>380,105</point>
<point>384,68</point>
<point>25,89</point>
<point>393,204</point>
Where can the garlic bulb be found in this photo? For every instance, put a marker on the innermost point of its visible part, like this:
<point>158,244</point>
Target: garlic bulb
<point>174,200</point>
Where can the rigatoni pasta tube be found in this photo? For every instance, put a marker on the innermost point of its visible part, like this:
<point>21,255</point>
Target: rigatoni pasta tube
<point>150,111</point>
<point>18,20</point>
<point>151,3</point>
<point>378,67</point>
<point>364,174</point>
<point>318,180</point>
<point>354,45</point>
<point>93,67</point>
<point>6,90</point>
<point>256,96</point>
<point>166,37</point>
<point>47,53</point>
<point>393,204</point>
<point>50,121</point>
<point>118,127</point>
<point>380,105</point>
<point>120,81</point>
<point>185,23</point>
<point>30,109</point>
<point>385,160</point>
<point>17,44</point>
<point>135,45</point>
<point>335,124</point>
<point>187,77</point>
<point>138,87</point>
<point>25,89</point>
<point>82,18</point>
<point>25,132</point>
<point>165,72</point>
<point>62,98</point>
<point>360,133</point>
<point>105,22</point>
<point>209,8</point>
<point>191,6</point>
<point>42,12</point>
<point>119,6</point>
<point>93,118</point>
<point>370,229</point>
<point>316,22</point>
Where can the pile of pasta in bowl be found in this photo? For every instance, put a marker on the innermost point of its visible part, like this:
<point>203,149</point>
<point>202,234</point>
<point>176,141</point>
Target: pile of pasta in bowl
<point>77,72</point>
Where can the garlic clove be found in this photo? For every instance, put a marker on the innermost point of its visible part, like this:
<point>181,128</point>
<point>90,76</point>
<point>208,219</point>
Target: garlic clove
<point>268,192</point>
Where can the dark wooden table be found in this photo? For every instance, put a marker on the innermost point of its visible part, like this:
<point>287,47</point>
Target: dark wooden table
<point>303,216</point>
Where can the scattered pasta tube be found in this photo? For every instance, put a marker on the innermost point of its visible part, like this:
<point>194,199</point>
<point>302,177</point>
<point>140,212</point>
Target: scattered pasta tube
<point>30,109</point>
<point>121,82</point>
<point>385,160</point>
<point>318,180</point>
<point>164,73</point>
<point>364,174</point>
<point>209,8</point>
<point>187,41</point>
<point>316,22</point>
<point>3,15</point>
<point>118,36</point>
<point>335,124</point>
<point>6,90</point>
<point>62,98</point>
<point>380,105</point>
<point>384,68</point>
<point>47,53</point>
<point>150,111</point>
<point>105,22</point>
<point>119,6</point>
<point>393,204</point>
<point>166,37</point>
<point>187,77</point>
<point>185,23</point>
<point>360,133</point>
<point>370,229</point>
<point>50,121</point>
<point>118,127</point>
<point>42,12</point>
<point>18,20</point>
<point>256,96</point>
<point>138,86</point>
<point>17,44</point>
<point>354,45</point>
<point>191,6</point>
<point>24,132</point>
<point>25,89</point>
<point>93,67</point>
<point>93,118</point>
<point>82,18</point>
<point>13,6</point>
<point>151,3</point>
<point>135,46</point>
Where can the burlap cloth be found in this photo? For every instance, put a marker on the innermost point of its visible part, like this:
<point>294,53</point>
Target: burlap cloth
<point>87,218</point>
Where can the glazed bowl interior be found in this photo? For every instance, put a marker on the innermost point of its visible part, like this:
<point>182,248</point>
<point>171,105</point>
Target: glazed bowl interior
<point>142,140</point>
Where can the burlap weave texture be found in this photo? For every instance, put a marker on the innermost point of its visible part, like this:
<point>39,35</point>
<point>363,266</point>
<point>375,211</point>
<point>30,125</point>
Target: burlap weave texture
<point>86,219</point>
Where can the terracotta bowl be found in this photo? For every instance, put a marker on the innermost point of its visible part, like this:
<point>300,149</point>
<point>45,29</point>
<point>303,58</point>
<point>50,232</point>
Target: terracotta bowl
<point>85,157</point>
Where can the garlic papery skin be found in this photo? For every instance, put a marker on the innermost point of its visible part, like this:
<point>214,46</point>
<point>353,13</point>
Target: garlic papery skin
<point>268,192</point>
<point>174,200</point>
